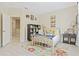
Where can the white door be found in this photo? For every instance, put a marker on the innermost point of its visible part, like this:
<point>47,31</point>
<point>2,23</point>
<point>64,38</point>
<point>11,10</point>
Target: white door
<point>6,29</point>
<point>77,43</point>
<point>78,33</point>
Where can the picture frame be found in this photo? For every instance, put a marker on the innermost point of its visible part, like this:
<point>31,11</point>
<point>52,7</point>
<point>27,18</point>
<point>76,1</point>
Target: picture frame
<point>35,18</point>
<point>53,21</point>
<point>27,16</point>
<point>32,17</point>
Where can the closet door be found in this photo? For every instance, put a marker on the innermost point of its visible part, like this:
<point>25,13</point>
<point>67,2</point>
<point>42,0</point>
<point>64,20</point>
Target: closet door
<point>5,29</point>
<point>77,42</point>
<point>78,33</point>
<point>0,30</point>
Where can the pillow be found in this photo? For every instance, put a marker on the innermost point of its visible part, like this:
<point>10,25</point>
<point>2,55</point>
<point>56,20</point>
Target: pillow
<point>54,31</point>
<point>50,35</point>
<point>41,32</point>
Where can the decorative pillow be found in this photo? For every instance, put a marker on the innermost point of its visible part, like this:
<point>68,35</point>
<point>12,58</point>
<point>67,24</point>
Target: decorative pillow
<point>41,32</point>
<point>53,31</point>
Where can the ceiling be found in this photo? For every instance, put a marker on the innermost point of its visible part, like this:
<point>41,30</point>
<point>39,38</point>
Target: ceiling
<point>38,7</point>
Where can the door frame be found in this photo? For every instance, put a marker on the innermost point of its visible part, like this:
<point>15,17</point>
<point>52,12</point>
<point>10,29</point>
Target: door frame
<point>1,31</point>
<point>11,25</point>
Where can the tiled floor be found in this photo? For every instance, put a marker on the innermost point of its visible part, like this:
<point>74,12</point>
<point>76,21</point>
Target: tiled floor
<point>16,49</point>
<point>72,50</point>
<point>13,49</point>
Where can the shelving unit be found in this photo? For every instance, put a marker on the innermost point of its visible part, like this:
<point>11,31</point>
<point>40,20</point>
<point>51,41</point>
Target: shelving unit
<point>53,22</point>
<point>32,30</point>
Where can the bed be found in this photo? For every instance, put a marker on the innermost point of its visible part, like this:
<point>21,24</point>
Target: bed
<point>42,40</point>
<point>56,33</point>
<point>46,39</point>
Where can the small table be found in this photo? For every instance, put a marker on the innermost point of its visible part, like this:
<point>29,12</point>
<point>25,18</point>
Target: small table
<point>71,38</point>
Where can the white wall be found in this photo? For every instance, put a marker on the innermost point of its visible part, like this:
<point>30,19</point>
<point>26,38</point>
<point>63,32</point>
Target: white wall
<point>64,18</point>
<point>14,12</point>
<point>18,12</point>
<point>24,22</point>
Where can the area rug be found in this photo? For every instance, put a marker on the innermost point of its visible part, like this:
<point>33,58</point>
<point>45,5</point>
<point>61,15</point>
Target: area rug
<point>60,52</point>
<point>38,51</point>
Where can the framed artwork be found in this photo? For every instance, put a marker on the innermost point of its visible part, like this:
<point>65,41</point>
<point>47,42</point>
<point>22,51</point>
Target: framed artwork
<point>27,16</point>
<point>32,17</point>
<point>53,21</point>
<point>52,17</point>
<point>35,18</point>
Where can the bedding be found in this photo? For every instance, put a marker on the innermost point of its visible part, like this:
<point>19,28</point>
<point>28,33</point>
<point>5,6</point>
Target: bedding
<point>42,39</point>
<point>50,38</point>
<point>56,39</point>
<point>45,40</point>
<point>56,35</point>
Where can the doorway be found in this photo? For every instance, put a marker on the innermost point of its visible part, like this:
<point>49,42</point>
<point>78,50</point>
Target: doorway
<point>15,29</point>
